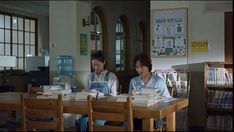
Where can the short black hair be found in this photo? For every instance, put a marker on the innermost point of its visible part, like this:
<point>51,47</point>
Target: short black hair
<point>144,59</point>
<point>98,55</point>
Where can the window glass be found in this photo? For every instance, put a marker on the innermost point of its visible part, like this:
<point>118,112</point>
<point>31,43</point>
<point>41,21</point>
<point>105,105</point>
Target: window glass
<point>26,25</point>
<point>21,51</point>
<point>32,26</point>
<point>7,36</point>
<point>14,23</point>
<point>1,21</point>
<point>1,48</point>
<point>14,36</point>
<point>32,38</point>
<point>33,50</point>
<point>26,50</point>
<point>7,22</point>
<point>14,50</point>
<point>21,63</point>
<point>20,37</point>
<point>26,38</point>
<point>7,49</point>
<point>20,23</point>
<point>1,35</point>
<point>120,46</point>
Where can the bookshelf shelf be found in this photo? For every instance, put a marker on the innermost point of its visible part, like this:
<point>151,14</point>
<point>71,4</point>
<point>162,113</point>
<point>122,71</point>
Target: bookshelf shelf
<point>227,110</point>
<point>218,129</point>
<point>218,85</point>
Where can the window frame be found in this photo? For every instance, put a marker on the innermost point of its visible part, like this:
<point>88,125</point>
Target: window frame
<point>125,27</point>
<point>17,43</point>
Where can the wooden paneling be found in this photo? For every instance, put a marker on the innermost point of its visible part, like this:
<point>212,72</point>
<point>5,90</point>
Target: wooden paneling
<point>228,37</point>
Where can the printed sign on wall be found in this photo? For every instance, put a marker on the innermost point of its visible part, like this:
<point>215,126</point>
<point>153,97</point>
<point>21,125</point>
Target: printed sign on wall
<point>169,33</point>
<point>199,46</point>
<point>83,44</point>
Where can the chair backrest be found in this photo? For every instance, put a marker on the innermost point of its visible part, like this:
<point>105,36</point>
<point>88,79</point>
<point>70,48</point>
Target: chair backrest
<point>32,89</point>
<point>110,111</point>
<point>41,113</point>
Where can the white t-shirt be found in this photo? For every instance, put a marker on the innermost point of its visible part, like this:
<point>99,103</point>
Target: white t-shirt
<point>112,81</point>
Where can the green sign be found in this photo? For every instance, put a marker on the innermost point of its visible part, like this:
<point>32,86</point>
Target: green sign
<point>83,44</point>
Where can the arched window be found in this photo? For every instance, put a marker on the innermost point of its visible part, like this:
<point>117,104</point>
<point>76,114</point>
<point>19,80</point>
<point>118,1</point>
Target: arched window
<point>96,33</point>
<point>99,32</point>
<point>120,44</point>
<point>140,37</point>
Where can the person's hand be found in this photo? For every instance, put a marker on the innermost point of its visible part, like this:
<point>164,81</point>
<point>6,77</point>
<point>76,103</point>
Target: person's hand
<point>133,92</point>
<point>93,91</point>
<point>106,94</point>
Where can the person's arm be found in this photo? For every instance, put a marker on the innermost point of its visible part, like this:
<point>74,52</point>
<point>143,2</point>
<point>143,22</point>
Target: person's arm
<point>87,84</point>
<point>164,89</point>
<point>132,90</point>
<point>113,83</point>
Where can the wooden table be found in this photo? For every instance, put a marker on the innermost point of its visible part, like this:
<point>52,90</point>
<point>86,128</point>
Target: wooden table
<point>11,101</point>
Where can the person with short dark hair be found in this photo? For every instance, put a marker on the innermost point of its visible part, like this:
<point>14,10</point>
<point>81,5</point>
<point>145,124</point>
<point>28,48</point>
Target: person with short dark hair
<point>101,81</point>
<point>146,79</point>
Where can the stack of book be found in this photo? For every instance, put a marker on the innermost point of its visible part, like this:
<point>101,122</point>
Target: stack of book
<point>139,99</point>
<point>82,96</point>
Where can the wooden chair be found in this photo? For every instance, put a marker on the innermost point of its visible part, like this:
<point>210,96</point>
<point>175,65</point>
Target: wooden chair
<point>35,110</point>
<point>32,89</point>
<point>110,111</point>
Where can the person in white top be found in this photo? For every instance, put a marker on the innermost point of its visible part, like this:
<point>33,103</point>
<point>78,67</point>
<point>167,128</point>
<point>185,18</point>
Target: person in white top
<point>105,83</point>
<point>101,81</point>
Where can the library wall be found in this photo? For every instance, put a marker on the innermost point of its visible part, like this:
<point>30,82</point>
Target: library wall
<point>202,25</point>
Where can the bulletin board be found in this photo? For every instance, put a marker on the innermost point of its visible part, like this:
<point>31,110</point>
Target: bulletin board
<point>169,37</point>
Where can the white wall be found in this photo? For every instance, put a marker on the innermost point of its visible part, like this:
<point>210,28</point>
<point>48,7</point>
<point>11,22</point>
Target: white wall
<point>62,25</point>
<point>82,62</point>
<point>202,24</point>
<point>65,28</point>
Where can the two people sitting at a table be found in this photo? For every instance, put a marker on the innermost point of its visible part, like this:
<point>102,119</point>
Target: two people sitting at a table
<point>106,83</point>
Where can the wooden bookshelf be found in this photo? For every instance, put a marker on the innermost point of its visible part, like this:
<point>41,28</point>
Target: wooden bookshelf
<point>218,86</point>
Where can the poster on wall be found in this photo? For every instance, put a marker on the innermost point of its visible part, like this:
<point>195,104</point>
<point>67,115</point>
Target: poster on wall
<point>83,44</point>
<point>199,46</point>
<point>169,33</point>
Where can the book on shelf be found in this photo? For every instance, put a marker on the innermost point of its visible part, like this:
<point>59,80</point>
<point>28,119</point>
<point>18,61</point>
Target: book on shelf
<point>172,76</point>
<point>219,76</point>
<point>219,99</point>
<point>182,77</point>
<point>220,122</point>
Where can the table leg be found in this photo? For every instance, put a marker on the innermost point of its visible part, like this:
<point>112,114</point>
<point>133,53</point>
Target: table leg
<point>148,124</point>
<point>171,122</point>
